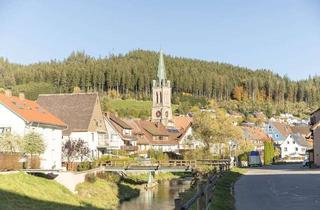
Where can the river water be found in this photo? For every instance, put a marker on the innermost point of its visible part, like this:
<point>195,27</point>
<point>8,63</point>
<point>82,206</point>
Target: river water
<point>160,198</point>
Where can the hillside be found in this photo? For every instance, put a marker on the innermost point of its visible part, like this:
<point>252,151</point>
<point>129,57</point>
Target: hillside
<point>132,74</point>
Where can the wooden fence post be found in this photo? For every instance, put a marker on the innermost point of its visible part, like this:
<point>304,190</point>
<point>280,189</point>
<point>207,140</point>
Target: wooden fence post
<point>200,201</point>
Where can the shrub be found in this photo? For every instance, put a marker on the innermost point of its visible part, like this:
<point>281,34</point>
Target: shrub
<point>86,165</point>
<point>244,156</point>
<point>90,177</point>
<point>109,176</point>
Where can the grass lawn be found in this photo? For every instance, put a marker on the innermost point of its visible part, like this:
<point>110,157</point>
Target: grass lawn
<point>132,108</point>
<point>101,193</point>
<point>20,191</point>
<point>223,200</point>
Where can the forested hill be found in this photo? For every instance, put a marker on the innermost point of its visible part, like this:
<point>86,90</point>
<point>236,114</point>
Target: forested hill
<point>133,74</point>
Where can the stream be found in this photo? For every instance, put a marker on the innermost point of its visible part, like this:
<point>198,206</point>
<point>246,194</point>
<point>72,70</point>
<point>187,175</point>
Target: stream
<point>159,198</point>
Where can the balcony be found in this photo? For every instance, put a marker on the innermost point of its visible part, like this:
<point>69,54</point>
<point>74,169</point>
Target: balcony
<point>102,143</point>
<point>129,148</point>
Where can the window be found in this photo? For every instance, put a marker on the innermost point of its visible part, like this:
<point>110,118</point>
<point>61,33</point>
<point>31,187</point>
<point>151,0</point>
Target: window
<point>293,142</point>
<point>5,129</point>
<point>297,149</point>
<point>160,137</point>
<point>288,142</point>
<point>285,149</point>
<point>126,132</point>
<point>303,149</point>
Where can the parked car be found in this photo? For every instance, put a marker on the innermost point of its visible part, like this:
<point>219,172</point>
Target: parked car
<point>254,159</point>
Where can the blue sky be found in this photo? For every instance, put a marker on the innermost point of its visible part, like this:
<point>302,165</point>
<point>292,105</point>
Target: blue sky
<point>283,36</point>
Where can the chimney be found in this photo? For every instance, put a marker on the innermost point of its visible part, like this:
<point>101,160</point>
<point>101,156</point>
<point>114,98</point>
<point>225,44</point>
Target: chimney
<point>21,96</point>
<point>8,93</point>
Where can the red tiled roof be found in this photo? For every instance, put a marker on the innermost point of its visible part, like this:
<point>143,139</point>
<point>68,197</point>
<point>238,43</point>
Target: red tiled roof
<point>119,125</point>
<point>182,122</point>
<point>30,111</point>
<point>255,134</point>
<point>151,129</point>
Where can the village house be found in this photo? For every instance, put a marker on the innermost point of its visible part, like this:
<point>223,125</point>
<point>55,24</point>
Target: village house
<point>120,134</point>
<point>277,131</point>
<point>21,116</point>
<point>294,147</point>
<point>256,136</point>
<point>315,135</point>
<point>82,112</point>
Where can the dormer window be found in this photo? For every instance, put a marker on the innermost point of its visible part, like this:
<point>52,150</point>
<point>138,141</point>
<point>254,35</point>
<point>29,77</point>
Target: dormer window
<point>126,131</point>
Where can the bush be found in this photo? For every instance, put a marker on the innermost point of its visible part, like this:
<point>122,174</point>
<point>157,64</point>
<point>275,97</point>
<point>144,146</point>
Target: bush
<point>268,152</point>
<point>244,156</point>
<point>84,166</point>
<point>109,176</point>
<point>90,177</point>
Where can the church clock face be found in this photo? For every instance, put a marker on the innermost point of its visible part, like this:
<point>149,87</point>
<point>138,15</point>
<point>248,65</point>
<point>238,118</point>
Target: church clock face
<point>158,113</point>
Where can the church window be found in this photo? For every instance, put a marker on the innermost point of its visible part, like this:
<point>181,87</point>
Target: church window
<point>160,97</point>
<point>157,98</point>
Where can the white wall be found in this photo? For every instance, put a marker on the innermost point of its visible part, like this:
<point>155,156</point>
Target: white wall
<point>10,119</point>
<point>91,138</point>
<point>114,139</point>
<point>51,158</point>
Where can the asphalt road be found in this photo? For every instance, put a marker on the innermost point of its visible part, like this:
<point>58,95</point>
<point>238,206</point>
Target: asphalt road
<point>282,187</point>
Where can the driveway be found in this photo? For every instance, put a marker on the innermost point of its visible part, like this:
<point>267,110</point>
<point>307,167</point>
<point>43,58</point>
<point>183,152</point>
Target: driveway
<point>281,187</point>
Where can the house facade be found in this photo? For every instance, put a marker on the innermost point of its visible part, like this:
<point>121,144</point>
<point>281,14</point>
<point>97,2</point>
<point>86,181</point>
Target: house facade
<point>120,134</point>
<point>21,116</point>
<point>294,147</point>
<point>256,136</point>
<point>315,135</point>
<point>277,131</point>
<point>83,114</point>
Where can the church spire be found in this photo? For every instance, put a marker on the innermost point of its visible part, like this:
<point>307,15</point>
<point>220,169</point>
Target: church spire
<point>161,69</point>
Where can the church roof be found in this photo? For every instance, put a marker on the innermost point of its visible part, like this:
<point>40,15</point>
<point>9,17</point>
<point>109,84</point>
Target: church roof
<point>161,68</point>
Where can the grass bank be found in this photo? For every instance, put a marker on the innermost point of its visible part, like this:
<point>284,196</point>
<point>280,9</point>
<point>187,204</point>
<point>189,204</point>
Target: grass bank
<point>104,194</point>
<point>223,199</point>
<point>20,191</point>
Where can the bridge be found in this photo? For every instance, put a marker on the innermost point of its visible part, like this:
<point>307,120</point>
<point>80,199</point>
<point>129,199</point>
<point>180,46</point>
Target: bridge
<point>163,166</point>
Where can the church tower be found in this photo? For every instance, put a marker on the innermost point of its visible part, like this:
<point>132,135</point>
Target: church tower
<point>161,92</point>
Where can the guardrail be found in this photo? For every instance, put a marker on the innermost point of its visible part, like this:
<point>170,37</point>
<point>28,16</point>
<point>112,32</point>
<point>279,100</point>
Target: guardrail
<point>205,189</point>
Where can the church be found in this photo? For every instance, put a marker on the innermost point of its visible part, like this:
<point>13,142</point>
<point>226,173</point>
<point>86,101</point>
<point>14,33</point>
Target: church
<point>163,131</point>
<point>161,96</point>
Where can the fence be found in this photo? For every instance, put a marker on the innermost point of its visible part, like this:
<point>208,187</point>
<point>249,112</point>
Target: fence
<point>13,161</point>
<point>205,190</point>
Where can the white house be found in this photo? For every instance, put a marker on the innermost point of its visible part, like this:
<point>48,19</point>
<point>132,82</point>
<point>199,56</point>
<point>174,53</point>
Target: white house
<point>120,134</point>
<point>21,116</point>
<point>294,147</point>
<point>82,112</point>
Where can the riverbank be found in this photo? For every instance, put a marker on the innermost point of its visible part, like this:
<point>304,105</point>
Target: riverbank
<point>104,191</point>
<point>223,197</point>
